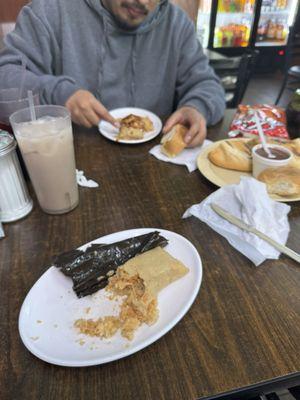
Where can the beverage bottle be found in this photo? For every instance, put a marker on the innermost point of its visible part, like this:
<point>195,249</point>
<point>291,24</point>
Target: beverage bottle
<point>233,6</point>
<point>226,5</point>
<point>285,30</point>
<point>271,30</point>
<point>283,4</point>
<point>245,37</point>
<point>279,31</point>
<point>239,40</point>
<point>230,36</point>
<point>221,6</point>
<point>265,29</point>
<point>235,36</point>
<point>260,31</point>
<point>224,36</point>
<point>218,38</point>
<point>293,115</point>
<point>242,5</point>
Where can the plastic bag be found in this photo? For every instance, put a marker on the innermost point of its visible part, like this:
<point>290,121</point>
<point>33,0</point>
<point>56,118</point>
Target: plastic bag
<point>272,119</point>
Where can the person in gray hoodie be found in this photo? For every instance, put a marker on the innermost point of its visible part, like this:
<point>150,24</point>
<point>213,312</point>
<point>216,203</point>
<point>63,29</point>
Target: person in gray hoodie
<point>93,55</point>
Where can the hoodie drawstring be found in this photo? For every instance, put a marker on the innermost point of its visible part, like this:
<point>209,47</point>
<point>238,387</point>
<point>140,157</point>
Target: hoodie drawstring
<point>133,70</point>
<point>102,57</point>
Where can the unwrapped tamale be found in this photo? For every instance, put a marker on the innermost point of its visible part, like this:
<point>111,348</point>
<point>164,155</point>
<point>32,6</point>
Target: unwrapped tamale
<point>90,269</point>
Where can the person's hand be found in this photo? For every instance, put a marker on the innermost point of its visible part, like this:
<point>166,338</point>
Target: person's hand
<point>86,110</point>
<point>193,120</point>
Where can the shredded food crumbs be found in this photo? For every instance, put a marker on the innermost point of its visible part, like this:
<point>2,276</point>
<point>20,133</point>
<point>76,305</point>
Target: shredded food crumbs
<point>138,307</point>
<point>136,284</point>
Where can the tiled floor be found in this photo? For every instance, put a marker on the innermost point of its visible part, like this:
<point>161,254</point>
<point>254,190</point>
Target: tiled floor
<point>264,89</point>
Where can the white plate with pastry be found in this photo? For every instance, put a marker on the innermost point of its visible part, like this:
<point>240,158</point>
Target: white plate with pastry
<point>136,126</point>
<point>236,154</point>
<point>48,314</point>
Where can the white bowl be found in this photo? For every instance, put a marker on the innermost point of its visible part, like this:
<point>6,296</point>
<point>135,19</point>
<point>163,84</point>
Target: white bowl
<point>261,163</point>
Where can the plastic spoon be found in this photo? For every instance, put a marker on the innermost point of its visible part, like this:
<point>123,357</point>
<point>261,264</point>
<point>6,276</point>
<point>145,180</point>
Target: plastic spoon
<point>262,136</point>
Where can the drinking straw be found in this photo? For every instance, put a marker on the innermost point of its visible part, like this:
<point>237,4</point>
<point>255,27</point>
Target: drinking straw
<point>262,136</point>
<point>23,74</point>
<point>31,105</point>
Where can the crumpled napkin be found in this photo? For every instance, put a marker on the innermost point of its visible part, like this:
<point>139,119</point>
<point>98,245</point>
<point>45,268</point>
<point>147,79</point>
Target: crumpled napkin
<point>187,157</point>
<point>1,230</point>
<point>250,202</point>
<point>82,181</point>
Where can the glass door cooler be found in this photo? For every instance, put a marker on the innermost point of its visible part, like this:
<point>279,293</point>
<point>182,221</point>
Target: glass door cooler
<point>234,22</point>
<point>276,17</point>
<point>231,27</point>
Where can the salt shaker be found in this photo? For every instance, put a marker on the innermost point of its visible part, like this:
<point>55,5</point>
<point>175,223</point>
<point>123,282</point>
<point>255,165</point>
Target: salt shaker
<point>15,202</point>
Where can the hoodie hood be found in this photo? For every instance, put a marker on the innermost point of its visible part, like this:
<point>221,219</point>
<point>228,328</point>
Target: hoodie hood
<point>149,23</point>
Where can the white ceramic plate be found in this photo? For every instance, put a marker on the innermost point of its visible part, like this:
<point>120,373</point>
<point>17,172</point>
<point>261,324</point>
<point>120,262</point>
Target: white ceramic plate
<point>110,132</point>
<point>50,308</point>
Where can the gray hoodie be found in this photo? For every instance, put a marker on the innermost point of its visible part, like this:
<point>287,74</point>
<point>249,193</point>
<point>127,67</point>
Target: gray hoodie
<point>77,44</point>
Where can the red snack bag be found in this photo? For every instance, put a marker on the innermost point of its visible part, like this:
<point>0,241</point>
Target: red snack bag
<point>272,119</point>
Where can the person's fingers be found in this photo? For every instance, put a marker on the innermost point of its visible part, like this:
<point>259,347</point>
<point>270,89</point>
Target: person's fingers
<point>174,119</point>
<point>196,135</point>
<point>87,110</point>
<point>92,117</point>
<point>79,119</point>
<point>197,139</point>
<point>191,133</point>
<point>102,113</point>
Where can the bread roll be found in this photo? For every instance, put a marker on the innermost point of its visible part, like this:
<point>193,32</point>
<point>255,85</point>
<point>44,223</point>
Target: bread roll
<point>232,154</point>
<point>283,181</point>
<point>294,146</point>
<point>173,142</point>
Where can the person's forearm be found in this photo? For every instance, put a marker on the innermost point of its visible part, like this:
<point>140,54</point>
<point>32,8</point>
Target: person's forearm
<point>52,89</point>
<point>33,43</point>
<point>206,97</point>
<point>197,84</point>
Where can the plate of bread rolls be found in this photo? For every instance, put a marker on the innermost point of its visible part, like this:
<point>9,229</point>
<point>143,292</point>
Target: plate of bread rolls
<point>224,162</point>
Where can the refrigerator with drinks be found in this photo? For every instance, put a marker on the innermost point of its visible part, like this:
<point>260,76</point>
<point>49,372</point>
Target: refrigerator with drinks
<point>233,26</point>
<point>276,16</point>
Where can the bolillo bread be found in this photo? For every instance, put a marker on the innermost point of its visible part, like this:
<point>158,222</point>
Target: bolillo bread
<point>283,181</point>
<point>233,154</point>
<point>294,146</point>
<point>173,142</point>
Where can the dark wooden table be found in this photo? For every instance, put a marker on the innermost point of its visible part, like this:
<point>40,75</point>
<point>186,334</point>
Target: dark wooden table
<point>242,332</point>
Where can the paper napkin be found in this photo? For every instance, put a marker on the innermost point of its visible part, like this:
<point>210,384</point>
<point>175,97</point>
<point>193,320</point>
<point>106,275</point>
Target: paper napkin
<point>1,230</point>
<point>187,157</point>
<point>250,202</point>
<point>83,181</point>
